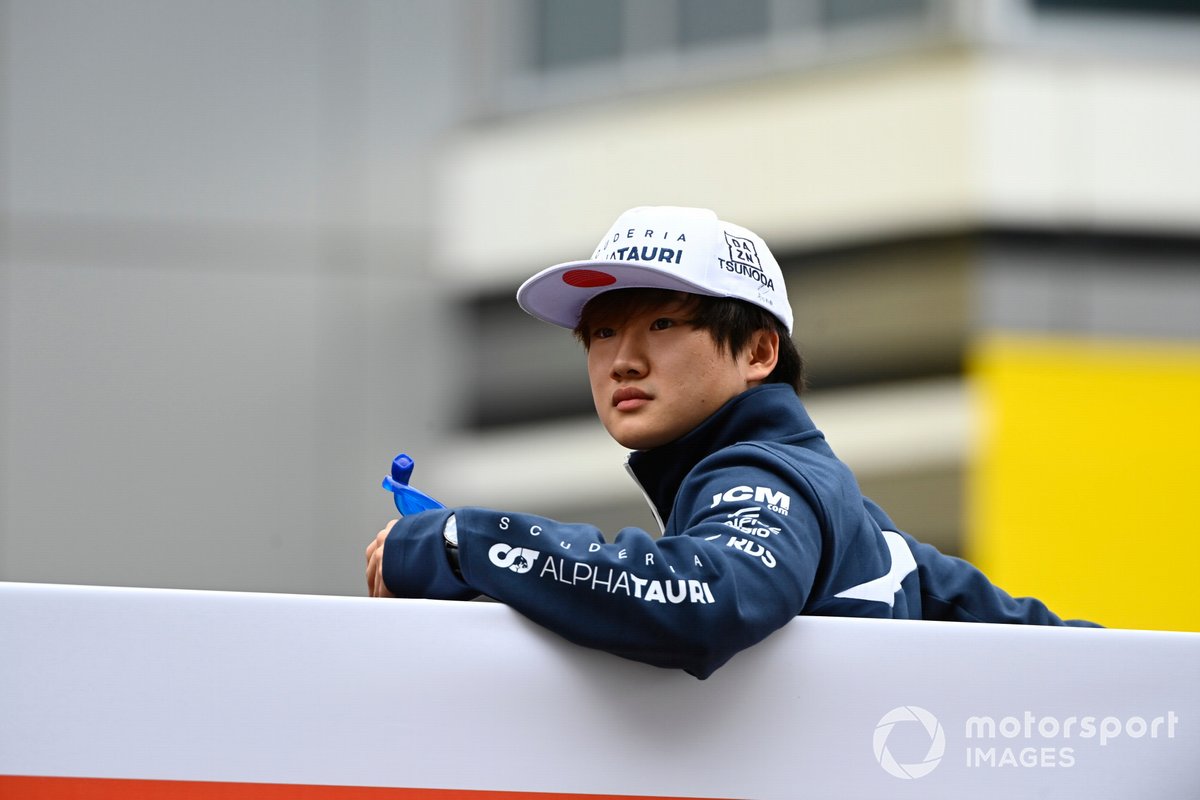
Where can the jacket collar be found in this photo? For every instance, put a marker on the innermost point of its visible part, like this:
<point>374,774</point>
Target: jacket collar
<point>766,413</point>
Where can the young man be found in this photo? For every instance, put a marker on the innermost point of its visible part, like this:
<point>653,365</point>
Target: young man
<point>687,328</point>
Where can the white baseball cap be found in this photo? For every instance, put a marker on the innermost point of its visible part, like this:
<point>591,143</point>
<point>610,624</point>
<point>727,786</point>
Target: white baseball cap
<point>662,247</point>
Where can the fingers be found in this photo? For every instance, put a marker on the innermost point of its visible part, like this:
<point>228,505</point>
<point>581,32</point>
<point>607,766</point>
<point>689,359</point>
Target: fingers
<point>374,556</point>
<point>380,537</point>
<point>373,574</point>
<point>371,548</point>
<point>370,574</point>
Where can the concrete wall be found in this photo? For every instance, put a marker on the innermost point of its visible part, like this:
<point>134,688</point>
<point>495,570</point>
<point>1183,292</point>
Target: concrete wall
<point>213,269</point>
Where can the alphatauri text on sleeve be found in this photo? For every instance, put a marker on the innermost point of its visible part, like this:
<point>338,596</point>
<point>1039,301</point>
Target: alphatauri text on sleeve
<point>762,522</point>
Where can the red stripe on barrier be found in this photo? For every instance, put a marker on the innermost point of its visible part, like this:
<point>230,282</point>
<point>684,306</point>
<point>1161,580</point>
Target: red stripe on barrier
<point>29,787</point>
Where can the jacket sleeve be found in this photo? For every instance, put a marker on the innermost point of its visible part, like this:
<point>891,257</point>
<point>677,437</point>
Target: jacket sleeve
<point>953,589</point>
<point>736,563</point>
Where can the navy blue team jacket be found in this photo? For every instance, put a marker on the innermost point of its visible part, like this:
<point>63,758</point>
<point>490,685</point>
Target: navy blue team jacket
<point>762,522</point>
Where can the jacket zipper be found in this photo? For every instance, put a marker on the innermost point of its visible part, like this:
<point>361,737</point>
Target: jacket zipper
<point>653,509</point>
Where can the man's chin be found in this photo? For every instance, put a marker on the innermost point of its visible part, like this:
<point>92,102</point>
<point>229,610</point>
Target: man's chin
<point>637,440</point>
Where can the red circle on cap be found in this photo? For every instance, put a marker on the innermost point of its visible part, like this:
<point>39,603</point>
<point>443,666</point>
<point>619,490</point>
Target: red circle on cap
<point>587,278</point>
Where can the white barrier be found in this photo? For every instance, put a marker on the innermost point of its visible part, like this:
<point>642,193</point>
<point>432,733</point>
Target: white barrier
<point>238,692</point>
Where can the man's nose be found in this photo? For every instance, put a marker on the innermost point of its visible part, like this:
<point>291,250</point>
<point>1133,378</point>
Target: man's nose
<point>630,358</point>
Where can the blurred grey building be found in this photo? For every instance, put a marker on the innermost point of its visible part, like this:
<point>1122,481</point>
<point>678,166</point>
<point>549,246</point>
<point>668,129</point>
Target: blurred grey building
<point>250,251</point>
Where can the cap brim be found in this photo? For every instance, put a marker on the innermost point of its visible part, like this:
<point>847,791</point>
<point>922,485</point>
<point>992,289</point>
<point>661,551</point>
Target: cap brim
<point>558,294</point>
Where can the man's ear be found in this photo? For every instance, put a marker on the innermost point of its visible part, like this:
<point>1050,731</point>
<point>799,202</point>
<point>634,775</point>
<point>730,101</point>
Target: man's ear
<point>761,355</point>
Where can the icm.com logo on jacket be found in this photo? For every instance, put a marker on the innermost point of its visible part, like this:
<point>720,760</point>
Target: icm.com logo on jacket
<point>518,559</point>
<point>909,731</point>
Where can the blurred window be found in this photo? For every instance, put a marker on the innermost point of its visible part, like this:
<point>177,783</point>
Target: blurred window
<point>1190,7</point>
<point>842,13</point>
<point>571,32</point>
<point>572,50</point>
<point>702,22</point>
<point>581,33</point>
<point>521,370</point>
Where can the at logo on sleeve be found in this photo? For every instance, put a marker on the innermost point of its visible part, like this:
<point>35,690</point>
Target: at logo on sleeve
<point>763,495</point>
<point>517,559</point>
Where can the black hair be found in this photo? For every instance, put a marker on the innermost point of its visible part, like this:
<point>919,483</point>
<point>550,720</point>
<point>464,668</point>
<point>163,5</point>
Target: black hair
<point>731,323</point>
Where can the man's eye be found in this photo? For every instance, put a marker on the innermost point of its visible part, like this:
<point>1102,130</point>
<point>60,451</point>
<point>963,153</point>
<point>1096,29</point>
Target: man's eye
<point>602,333</point>
<point>661,324</point>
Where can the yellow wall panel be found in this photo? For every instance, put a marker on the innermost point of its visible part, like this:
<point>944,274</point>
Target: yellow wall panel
<point>1086,476</point>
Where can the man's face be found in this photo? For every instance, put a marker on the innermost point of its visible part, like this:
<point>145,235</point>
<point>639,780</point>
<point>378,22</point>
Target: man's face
<point>654,377</point>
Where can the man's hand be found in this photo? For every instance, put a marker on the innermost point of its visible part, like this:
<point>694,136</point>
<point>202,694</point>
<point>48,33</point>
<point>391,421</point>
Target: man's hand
<point>375,584</point>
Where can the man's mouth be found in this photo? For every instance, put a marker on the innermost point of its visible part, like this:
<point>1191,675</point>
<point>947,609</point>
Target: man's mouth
<point>628,398</point>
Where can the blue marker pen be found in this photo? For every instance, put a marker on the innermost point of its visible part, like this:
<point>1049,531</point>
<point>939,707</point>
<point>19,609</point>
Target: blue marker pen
<point>408,500</point>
